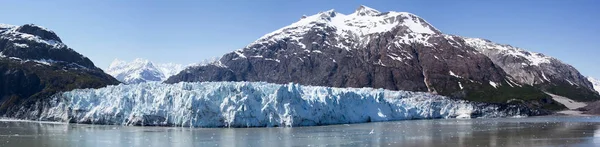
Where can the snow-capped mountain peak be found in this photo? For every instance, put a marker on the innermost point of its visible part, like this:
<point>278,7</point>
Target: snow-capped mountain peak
<point>364,10</point>
<point>363,22</point>
<point>33,43</point>
<point>595,82</point>
<point>117,63</point>
<point>31,32</point>
<point>143,62</point>
<point>142,70</point>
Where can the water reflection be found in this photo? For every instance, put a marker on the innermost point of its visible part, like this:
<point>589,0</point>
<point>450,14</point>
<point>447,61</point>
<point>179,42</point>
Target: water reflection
<point>538,131</point>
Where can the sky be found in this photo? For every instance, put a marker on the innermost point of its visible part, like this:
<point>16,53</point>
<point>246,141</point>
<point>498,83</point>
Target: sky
<point>189,31</point>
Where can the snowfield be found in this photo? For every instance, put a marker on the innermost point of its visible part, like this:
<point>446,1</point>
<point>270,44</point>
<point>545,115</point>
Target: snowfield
<point>252,104</point>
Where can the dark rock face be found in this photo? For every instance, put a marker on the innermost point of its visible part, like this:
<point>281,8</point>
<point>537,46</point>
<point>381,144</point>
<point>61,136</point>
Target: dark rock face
<point>423,68</point>
<point>34,64</point>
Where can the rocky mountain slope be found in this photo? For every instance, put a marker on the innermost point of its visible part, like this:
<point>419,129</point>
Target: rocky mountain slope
<point>391,50</point>
<point>535,69</point>
<point>142,70</point>
<point>35,64</point>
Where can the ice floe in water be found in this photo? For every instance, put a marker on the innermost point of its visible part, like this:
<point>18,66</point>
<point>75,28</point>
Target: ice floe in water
<point>252,104</point>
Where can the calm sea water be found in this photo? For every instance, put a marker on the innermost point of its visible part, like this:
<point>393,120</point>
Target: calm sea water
<point>532,131</point>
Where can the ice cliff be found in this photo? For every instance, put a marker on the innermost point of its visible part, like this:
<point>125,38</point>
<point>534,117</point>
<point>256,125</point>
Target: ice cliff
<point>252,104</point>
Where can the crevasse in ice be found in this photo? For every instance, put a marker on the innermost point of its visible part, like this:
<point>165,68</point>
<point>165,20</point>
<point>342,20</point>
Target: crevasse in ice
<point>251,104</point>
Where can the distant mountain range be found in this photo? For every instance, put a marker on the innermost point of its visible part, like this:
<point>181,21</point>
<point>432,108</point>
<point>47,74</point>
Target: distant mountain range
<point>142,70</point>
<point>397,51</point>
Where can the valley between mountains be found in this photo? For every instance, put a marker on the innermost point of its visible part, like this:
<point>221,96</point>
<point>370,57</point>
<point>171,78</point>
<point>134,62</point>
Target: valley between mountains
<point>327,68</point>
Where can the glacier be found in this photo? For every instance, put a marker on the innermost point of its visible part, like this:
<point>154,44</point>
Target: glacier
<point>252,104</point>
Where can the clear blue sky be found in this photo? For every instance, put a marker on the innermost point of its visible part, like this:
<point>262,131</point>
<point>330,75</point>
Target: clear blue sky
<point>190,31</point>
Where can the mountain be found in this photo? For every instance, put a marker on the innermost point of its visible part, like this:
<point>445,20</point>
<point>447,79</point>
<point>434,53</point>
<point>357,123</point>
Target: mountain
<point>142,70</point>
<point>36,64</point>
<point>390,50</point>
<point>255,104</point>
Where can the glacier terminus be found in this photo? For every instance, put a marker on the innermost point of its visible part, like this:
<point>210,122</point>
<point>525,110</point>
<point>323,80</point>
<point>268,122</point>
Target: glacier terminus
<point>253,104</point>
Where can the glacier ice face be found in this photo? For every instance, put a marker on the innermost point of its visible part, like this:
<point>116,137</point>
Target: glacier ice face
<point>251,104</point>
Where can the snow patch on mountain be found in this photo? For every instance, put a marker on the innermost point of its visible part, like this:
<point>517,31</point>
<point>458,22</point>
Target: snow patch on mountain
<point>569,103</point>
<point>494,84</point>
<point>454,75</point>
<point>251,104</point>
<point>20,45</point>
<point>46,62</point>
<point>142,70</point>
<point>533,59</point>
<point>595,82</point>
